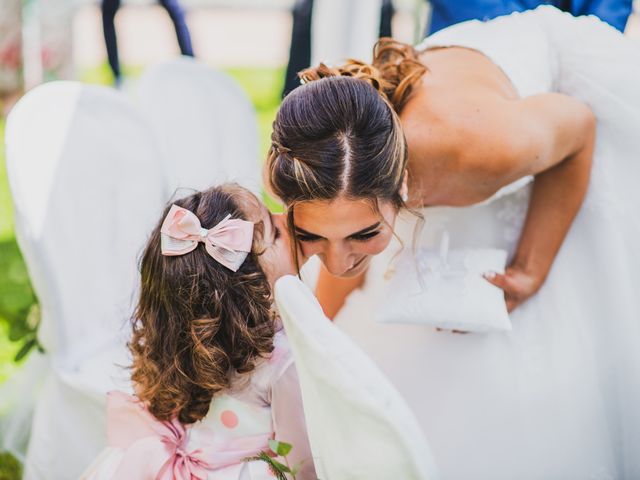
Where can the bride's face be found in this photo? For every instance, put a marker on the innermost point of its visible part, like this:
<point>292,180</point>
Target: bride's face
<point>344,233</point>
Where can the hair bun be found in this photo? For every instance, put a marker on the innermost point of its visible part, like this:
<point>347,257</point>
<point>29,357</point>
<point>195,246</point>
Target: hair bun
<point>394,72</point>
<point>353,68</point>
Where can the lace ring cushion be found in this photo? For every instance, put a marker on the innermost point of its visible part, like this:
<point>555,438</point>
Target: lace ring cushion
<point>445,288</point>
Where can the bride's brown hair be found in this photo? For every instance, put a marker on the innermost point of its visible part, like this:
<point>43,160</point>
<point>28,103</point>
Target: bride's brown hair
<point>197,324</point>
<point>339,134</point>
<point>394,72</point>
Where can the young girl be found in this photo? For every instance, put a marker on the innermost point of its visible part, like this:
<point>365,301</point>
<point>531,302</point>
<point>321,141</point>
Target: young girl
<point>213,373</point>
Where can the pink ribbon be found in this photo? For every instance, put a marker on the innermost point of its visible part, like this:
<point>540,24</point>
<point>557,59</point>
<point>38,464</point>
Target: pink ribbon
<point>156,450</point>
<point>229,242</point>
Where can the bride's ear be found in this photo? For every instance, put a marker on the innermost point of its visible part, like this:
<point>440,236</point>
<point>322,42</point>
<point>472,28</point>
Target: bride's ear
<point>404,189</point>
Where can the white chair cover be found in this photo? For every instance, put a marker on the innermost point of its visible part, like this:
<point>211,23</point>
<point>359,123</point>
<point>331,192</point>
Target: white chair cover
<point>87,188</point>
<point>359,426</point>
<point>206,127</point>
<point>343,29</point>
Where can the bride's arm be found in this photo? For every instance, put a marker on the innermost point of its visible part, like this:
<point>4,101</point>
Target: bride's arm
<point>554,140</point>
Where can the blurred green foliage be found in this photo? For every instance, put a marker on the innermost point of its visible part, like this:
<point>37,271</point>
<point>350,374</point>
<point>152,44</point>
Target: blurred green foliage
<point>18,312</point>
<point>10,467</point>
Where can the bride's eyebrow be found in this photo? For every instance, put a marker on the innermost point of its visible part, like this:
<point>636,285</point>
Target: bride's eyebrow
<point>359,232</point>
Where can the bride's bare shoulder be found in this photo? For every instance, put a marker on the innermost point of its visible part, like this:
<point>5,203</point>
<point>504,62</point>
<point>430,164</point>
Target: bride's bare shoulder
<point>452,142</point>
<point>465,152</point>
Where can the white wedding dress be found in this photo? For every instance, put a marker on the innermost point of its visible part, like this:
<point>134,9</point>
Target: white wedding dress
<point>558,397</point>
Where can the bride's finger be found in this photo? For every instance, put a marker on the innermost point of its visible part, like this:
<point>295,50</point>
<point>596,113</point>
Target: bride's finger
<point>500,280</point>
<point>508,286</point>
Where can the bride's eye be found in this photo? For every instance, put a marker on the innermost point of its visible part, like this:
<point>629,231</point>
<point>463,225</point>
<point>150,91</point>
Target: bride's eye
<point>307,238</point>
<point>361,237</point>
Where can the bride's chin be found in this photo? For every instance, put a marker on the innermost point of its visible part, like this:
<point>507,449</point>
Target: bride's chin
<point>360,266</point>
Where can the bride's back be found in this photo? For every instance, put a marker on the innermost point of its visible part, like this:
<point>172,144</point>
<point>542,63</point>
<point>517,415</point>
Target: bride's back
<point>471,70</point>
<point>451,121</point>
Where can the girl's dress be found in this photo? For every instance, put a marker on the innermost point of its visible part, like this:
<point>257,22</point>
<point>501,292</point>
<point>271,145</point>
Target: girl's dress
<point>262,405</point>
<point>557,397</point>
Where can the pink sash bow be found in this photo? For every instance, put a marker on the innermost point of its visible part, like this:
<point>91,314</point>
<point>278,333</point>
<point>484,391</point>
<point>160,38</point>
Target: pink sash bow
<point>155,449</point>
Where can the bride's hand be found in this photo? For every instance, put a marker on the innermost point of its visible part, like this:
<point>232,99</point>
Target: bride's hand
<point>517,283</point>
<point>276,260</point>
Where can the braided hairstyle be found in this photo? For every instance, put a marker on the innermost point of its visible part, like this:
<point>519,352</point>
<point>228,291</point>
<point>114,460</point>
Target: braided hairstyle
<point>197,324</point>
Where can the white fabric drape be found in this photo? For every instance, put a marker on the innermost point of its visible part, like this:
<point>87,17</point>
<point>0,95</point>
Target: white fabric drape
<point>359,426</point>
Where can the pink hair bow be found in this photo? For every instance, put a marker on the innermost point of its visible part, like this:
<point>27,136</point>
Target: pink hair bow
<point>229,242</point>
<point>156,450</point>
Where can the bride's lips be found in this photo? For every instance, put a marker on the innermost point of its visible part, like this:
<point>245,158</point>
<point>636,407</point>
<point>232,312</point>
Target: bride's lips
<point>356,265</point>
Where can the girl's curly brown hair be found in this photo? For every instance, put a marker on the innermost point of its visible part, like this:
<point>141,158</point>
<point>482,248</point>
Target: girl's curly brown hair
<point>197,324</point>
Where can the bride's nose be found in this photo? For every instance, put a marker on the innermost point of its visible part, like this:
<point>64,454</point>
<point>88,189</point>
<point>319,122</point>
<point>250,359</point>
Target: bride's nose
<point>338,259</point>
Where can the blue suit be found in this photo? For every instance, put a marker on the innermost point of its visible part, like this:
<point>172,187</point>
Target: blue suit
<point>445,13</point>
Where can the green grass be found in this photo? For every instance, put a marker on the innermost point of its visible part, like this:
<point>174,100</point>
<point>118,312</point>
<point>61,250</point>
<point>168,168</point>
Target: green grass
<point>262,85</point>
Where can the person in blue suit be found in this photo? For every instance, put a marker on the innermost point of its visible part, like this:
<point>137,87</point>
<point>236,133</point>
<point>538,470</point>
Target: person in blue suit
<point>448,12</point>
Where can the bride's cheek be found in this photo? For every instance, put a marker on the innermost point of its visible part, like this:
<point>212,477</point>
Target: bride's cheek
<point>376,244</point>
<point>308,249</point>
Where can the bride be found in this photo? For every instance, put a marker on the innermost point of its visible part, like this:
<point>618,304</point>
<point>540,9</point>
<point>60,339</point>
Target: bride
<point>520,133</point>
